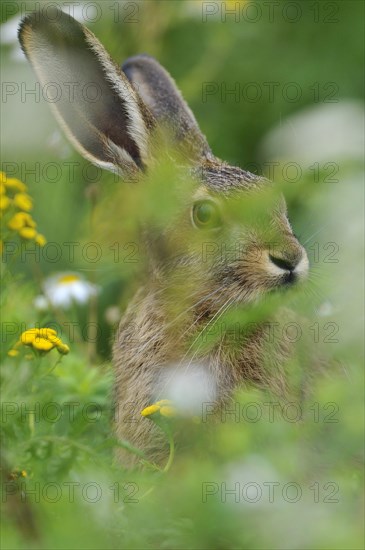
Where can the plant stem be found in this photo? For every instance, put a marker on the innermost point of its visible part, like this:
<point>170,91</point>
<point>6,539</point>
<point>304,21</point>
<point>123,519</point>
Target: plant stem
<point>172,451</point>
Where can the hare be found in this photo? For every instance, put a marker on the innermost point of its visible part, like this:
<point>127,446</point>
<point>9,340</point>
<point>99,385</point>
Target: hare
<point>155,337</point>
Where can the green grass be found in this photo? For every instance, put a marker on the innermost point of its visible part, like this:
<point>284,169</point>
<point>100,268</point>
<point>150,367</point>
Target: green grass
<point>296,483</point>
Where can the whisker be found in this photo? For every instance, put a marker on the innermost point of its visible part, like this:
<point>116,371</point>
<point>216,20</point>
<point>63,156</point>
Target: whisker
<point>216,316</point>
<point>199,316</point>
<point>315,233</point>
<point>170,323</point>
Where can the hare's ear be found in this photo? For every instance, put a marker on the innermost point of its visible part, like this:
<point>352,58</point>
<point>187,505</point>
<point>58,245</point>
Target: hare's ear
<point>161,95</point>
<point>96,105</point>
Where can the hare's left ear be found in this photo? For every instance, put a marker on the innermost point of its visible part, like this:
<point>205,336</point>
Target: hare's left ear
<point>163,98</point>
<point>96,105</point>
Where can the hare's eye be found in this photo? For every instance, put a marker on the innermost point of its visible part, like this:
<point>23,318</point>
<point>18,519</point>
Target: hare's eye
<point>206,215</point>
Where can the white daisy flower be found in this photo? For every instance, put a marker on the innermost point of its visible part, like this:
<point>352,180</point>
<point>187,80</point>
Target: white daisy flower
<point>190,387</point>
<point>65,289</point>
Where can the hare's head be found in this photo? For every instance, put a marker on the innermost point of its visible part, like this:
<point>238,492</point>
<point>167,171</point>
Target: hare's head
<point>232,235</point>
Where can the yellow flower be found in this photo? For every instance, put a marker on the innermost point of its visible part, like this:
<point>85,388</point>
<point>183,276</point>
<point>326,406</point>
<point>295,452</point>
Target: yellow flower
<point>152,409</point>
<point>163,408</point>
<point>4,202</point>
<point>40,339</point>
<point>13,183</point>
<point>23,201</point>
<point>23,223</point>
<point>28,336</point>
<point>41,344</point>
<point>63,349</point>
<point>40,239</point>
<point>20,220</point>
<point>27,232</point>
<point>16,474</point>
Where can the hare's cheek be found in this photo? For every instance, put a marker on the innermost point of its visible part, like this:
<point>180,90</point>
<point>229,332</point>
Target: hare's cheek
<point>252,276</point>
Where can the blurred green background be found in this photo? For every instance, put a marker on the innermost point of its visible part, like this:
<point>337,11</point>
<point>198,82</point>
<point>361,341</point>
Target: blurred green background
<point>309,55</point>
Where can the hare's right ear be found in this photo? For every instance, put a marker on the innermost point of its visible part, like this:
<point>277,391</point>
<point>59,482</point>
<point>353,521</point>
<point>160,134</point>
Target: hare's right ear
<point>96,105</point>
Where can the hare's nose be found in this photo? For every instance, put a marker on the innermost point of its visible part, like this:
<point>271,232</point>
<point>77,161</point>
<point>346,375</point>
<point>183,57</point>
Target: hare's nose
<point>288,263</point>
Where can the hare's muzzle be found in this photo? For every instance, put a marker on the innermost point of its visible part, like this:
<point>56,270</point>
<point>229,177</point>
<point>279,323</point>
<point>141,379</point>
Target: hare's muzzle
<point>289,265</point>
